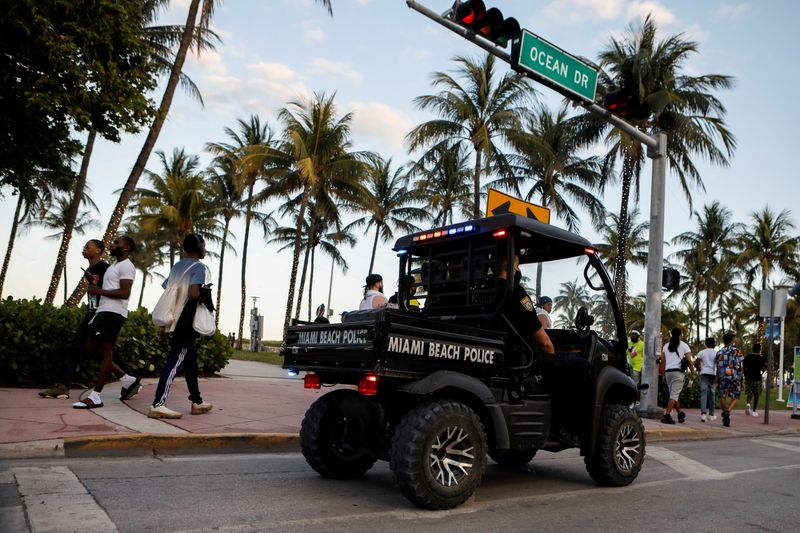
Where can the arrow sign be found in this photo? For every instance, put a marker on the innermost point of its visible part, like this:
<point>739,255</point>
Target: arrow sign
<point>498,203</point>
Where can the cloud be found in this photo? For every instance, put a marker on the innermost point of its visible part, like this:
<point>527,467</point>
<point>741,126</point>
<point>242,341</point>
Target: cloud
<point>312,32</point>
<point>659,13</point>
<point>579,10</point>
<point>335,69</point>
<point>732,11</point>
<point>385,125</point>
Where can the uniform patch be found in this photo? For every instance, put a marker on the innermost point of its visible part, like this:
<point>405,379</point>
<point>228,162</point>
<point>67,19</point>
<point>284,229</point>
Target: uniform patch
<point>527,303</point>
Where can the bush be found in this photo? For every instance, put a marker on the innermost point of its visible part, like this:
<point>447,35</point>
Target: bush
<point>690,395</point>
<point>34,338</point>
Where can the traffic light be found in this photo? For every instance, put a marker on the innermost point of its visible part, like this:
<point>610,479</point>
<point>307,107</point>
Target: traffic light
<point>489,24</point>
<point>670,279</point>
<point>622,103</point>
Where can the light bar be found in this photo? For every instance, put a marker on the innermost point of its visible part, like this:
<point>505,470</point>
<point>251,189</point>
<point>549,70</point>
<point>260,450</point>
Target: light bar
<point>439,233</point>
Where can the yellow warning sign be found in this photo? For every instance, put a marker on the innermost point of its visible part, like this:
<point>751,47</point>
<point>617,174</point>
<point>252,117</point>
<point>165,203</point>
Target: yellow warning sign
<point>498,203</point>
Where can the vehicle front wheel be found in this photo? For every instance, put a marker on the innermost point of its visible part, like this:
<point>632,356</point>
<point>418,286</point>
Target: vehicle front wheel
<point>439,454</point>
<point>619,454</point>
<point>326,439</point>
<point>512,458</point>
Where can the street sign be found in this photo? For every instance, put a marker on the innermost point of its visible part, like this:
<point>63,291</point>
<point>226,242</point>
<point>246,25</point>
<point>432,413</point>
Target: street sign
<point>554,67</point>
<point>498,203</point>
<point>776,298</point>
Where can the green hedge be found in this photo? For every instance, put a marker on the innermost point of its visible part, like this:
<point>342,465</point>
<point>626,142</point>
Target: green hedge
<point>35,337</point>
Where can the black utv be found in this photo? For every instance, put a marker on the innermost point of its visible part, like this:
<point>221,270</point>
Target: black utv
<point>438,383</point>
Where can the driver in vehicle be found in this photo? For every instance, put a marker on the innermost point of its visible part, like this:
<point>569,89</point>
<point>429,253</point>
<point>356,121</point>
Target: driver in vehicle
<point>568,378</point>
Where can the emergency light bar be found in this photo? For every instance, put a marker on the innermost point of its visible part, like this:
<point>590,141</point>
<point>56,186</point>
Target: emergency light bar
<point>439,233</point>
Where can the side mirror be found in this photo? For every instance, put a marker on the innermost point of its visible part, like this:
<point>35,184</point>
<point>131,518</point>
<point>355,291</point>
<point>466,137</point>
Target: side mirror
<point>583,320</point>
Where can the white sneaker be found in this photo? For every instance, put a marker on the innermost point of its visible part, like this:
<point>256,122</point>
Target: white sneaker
<point>200,408</point>
<point>713,417</point>
<point>703,418</point>
<point>747,409</point>
<point>162,411</point>
<point>755,413</point>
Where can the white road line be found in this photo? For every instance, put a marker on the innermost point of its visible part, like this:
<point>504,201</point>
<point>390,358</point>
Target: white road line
<point>776,444</point>
<point>56,501</point>
<point>683,465</point>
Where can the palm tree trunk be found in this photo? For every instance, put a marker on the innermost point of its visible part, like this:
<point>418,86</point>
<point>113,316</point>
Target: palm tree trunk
<point>221,263</point>
<point>708,311</point>
<point>141,292</point>
<point>65,283</point>
<point>538,281</point>
<point>295,259</point>
<point>330,285</point>
<point>375,247</point>
<point>69,226</point>
<point>697,304</point>
<point>11,239</point>
<point>150,141</point>
<point>622,236</point>
<point>310,285</point>
<point>247,218</point>
<point>302,283</point>
<point>476,183</point>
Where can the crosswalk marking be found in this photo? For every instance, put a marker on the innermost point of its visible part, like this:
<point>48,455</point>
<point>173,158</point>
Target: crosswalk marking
<point>683,465</point>
<point>56,501</point>
<point>776,444</point>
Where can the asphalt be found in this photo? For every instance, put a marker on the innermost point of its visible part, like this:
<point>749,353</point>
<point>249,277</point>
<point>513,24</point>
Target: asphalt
<point>257,407</point>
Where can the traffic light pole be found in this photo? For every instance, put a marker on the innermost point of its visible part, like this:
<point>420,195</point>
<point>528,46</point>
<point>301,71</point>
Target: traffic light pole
<point>657,151</point>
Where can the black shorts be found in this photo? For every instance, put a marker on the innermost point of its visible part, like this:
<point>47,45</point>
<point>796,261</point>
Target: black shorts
<point>106,326</point>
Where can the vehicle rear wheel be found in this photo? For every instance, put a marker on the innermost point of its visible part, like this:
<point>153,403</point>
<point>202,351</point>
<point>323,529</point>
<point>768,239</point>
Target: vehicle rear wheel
<point>324,439</point>
<point>619,454</point>
<point>512,457</point>
<point>439,454</point>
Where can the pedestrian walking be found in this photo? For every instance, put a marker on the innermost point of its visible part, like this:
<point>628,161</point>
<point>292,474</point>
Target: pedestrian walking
<point>675,353</point>
<point>729,376</point>
<point>636,355</point>
<point>373,293</point>
<point>109,317</point>
<point>189,275</point>
<point>92,252</point>
<point>707,361</point>
<point>754,366</point>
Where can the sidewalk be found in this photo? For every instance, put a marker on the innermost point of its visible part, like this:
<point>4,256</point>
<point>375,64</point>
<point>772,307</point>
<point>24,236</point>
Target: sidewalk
<point>256,407</point>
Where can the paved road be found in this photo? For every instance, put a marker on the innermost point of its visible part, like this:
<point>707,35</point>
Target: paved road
<point>723,485</point>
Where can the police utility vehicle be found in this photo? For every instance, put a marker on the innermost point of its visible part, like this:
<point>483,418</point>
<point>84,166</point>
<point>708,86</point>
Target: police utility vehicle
<point>435,388</point>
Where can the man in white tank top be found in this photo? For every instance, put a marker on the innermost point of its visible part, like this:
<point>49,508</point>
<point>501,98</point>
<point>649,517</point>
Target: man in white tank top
<point>373,293</point>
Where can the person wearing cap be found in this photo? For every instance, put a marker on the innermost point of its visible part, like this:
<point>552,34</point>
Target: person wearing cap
<point>321,318</point>
<point>373,293</point>
<point>636,354</point>
<point>413,303</point>
<point>543,308</point>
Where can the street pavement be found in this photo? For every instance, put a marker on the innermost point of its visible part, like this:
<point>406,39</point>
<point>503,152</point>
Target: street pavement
<point>257,406</point>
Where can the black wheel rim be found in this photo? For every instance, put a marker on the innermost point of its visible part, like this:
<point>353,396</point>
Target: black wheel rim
<point>627,448</point>
<point>452,456</point>
<point>338,439</point>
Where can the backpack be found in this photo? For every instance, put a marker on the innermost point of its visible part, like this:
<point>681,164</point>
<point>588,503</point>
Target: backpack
<point>166,310</point>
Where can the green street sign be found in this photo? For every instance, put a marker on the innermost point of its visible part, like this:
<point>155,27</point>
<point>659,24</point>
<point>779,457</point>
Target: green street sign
<point>553,67</point>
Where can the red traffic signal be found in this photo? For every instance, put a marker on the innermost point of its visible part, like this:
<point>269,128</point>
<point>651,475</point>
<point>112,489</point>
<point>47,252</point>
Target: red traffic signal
<point>489,24</point>
<point>622,103</point>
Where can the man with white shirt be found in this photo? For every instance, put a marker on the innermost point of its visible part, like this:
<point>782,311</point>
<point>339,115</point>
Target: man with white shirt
<point>110,315</point>
<point>543,309</point>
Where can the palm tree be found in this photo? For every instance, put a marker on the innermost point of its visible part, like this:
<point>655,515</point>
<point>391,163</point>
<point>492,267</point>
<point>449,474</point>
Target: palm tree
<point>766,246</point>
<point>635,248</point>
<point>545,152</point>
<point>443,183</point>
<point>177,204</point>
<point>478,112</point>
<point>253,136</point>
<point>55,219</point>
<point>388,204</point>
<point>313,161</point>
<point>571,296</point>
<point>149,253</point>
<point>710,248</point>
<point>684,108</point>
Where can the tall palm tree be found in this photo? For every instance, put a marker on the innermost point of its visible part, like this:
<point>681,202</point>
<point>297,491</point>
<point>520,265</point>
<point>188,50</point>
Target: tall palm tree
<point>476,109</point>
<point>55,219</point>
<point>177,203</point>
<point>711,248</point>
<point>571,296</point>
<point>443,184</point>
<point>388,203</point>
<point>149,253</point>
<point>684,108</point>
<point>253,136</point>
<point>766,245</point>
<point>314,161</point>
<point>546,153</point>
<point>635,248</point>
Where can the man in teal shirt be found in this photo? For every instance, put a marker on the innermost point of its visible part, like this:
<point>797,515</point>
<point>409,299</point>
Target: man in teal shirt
<point>636,355</point>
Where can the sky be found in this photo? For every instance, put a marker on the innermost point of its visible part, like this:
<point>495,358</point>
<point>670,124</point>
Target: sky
<point>377,56</point>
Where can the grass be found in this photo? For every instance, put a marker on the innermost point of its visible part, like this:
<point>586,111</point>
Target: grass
<point>774,404</point>
<point>272,358</point>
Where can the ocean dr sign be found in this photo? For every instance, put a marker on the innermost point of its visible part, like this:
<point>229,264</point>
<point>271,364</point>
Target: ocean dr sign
<point>561,71</point>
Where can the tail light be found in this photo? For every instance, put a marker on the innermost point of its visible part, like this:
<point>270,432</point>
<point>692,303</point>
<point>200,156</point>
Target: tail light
<point>311,381</point>
<point>368,385</point>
